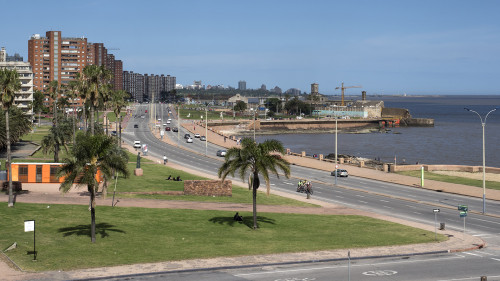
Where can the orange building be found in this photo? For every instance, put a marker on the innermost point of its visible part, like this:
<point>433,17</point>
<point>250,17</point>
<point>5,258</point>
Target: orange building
<point>39,173</point>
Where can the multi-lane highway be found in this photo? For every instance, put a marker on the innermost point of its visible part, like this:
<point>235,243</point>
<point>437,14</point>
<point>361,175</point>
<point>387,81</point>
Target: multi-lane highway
<point>395,200</point>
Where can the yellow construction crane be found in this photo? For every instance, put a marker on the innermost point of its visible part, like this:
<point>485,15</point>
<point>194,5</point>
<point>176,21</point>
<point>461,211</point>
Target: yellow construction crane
<point>343,88</point>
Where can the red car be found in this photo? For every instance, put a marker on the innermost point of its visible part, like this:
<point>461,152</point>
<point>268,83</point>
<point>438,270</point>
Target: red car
<point>167,128</point>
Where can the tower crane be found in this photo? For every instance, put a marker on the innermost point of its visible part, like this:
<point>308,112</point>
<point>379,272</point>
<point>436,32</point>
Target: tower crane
<point>343,88</point>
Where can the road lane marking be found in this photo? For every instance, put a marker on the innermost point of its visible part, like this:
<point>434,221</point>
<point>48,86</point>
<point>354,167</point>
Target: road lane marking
<point>384,201</point>
<point>495,259</point>
<point>364,202</point>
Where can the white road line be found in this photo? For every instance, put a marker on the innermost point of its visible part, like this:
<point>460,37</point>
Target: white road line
<point>495,259</point>
<point>387,207</point>
<point>360,196</point>
<point>364,202</point>
<point>409,206</point>
<point>467,253</point>
<point>340,196</point>
<point>417,213</point>
<point>384,201</point>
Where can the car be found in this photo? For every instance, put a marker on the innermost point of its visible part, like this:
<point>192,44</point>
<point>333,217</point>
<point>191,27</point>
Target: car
<point>340,173</point>
<point>142,116</point>
<point>196,135</point>
<point>175,129</point>
<point>167,129</point>
<point>136,125</point>
<point>203,138</point>
<point>186,136</point>
<point>113,133</point>
<point>168,121</point>
<point>159,119</point>
<point>165,124</point>
<point>137,144</point>
<point>221,153</point>
<point>189,140</point>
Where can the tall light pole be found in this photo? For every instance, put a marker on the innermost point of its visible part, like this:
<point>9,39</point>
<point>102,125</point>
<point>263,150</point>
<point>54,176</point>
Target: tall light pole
<point>483,123</point>
<point>336,149</point>
<point>206,130</point>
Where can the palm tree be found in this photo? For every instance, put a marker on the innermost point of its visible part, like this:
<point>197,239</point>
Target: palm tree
<point>9,84</point>
<point>117,102</point>
<point>255,159</point>
<point>54,94</point>
<point>92,154</point>
<point>72,91</point>
<point>57,137</point>
<point>38,104</point>
<point>94,77</point>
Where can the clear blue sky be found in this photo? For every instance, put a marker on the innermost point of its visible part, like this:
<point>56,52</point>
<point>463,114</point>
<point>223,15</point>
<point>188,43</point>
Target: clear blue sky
<point>387,46</point>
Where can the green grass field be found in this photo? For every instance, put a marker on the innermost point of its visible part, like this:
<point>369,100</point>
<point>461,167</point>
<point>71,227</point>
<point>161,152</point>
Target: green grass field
<point>141,235</point>
<point>451,179</point>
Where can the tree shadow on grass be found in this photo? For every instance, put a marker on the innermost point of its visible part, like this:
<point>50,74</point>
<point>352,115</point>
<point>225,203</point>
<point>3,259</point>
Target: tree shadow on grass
<point>84,229</point>
<point>248,221</point>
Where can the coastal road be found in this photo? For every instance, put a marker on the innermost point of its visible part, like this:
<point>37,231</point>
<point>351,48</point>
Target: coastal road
<point>409,203</point>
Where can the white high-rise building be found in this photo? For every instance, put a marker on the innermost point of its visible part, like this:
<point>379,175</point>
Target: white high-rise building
<point>24,97</point>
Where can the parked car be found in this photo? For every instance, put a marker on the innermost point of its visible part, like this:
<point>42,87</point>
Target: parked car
<point>186,136</point>
<point>137,144</point>
<point>113,133</point>
<point>340,173</point>
<point>167,129</point>
<point>189,140</point>
<point>203,138</point>
<point>197,135</point>
<point>221,153</point>
<point>175,129</point>
<point>136,125</point>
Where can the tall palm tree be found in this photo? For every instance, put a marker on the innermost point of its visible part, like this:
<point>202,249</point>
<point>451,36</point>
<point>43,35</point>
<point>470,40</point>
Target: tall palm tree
<point>38,104</point>
<point>255,159</point>
<point>117,102</point>
<point>58,137</point>
<point>90,154</point>
<point>54,94</point>
<point>72,91</point>
<point>94,77</point>
<point>9,84</point>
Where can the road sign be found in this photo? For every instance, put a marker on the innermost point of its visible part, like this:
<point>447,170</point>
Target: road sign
<point>463,214</point>
<point>463,208</point>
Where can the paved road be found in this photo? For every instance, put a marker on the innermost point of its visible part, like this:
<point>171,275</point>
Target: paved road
<point>400,201</point>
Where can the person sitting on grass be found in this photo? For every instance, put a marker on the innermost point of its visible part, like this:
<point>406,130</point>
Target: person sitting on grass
<point>169,177</point>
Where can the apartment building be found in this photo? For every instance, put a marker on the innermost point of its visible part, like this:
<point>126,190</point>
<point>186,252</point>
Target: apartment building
<point>146,87</point>
<point>24,97</point>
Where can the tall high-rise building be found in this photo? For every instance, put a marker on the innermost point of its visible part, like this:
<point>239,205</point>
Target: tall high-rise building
<point>56,58</point>
<point>242,85</point>
<point>145,87</point>
<point>24,97</point>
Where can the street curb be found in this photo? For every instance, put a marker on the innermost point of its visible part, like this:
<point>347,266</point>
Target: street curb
<point>263,265</point>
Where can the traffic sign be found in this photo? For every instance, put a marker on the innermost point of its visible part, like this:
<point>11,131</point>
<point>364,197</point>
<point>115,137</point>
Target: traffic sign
<point>463,214</point>
<point>463,208</point>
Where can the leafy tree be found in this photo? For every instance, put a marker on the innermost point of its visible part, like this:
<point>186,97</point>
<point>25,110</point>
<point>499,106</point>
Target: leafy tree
<point>92,154</point>
<point>9,85</point>
<point>240,106</point>
<point>19,125</point>
<point>296,106</point>
<point>255,159</point>
<point>58,137</point>
<point>273,104</point>
<point>38,106</point>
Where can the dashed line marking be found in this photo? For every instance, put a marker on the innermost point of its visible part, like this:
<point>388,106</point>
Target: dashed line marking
<point>364,202</point>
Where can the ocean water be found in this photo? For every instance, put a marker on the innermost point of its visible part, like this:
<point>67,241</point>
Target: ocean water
<point>456,137</point>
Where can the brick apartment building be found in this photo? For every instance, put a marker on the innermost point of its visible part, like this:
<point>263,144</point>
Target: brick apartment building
<point>54,57</point>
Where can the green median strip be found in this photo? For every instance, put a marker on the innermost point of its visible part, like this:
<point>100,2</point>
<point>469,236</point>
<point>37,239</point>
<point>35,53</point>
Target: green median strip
<point>453,179</point>
<point>142,235</point>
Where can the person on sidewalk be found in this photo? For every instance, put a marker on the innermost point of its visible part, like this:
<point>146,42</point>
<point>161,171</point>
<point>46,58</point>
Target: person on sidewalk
<point>165,160</point>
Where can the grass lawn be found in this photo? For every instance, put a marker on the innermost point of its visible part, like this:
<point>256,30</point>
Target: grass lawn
<point>451,179</point>
<point>154,179</point>
<point>140,235</point>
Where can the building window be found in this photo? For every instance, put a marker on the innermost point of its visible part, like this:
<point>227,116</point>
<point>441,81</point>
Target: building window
<point>53,174</point>
<point>23,173</point>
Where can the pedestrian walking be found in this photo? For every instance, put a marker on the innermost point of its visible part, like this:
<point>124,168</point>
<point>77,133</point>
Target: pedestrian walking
<point>165,160</point>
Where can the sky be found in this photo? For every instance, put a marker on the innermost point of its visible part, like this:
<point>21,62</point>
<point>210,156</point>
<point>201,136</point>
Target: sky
<point>412,47</point>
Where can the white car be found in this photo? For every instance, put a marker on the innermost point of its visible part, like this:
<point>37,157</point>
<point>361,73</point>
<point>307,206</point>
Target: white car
<point>168,121</point>
<point>137,144</point>
<point>189,140</point>
<point>197,135</point>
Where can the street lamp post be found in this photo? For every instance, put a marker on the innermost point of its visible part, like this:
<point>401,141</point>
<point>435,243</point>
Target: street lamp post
<point>206,130</point>
<point>335,150</point>
<point>483,123</point>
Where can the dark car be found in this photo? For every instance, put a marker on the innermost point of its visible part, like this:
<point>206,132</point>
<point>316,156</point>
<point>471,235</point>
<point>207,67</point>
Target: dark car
<point>167,128</point>
<point>136,126</point>
<point>221,153</point>
<point>187,136</point>
<point>174,129</point>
